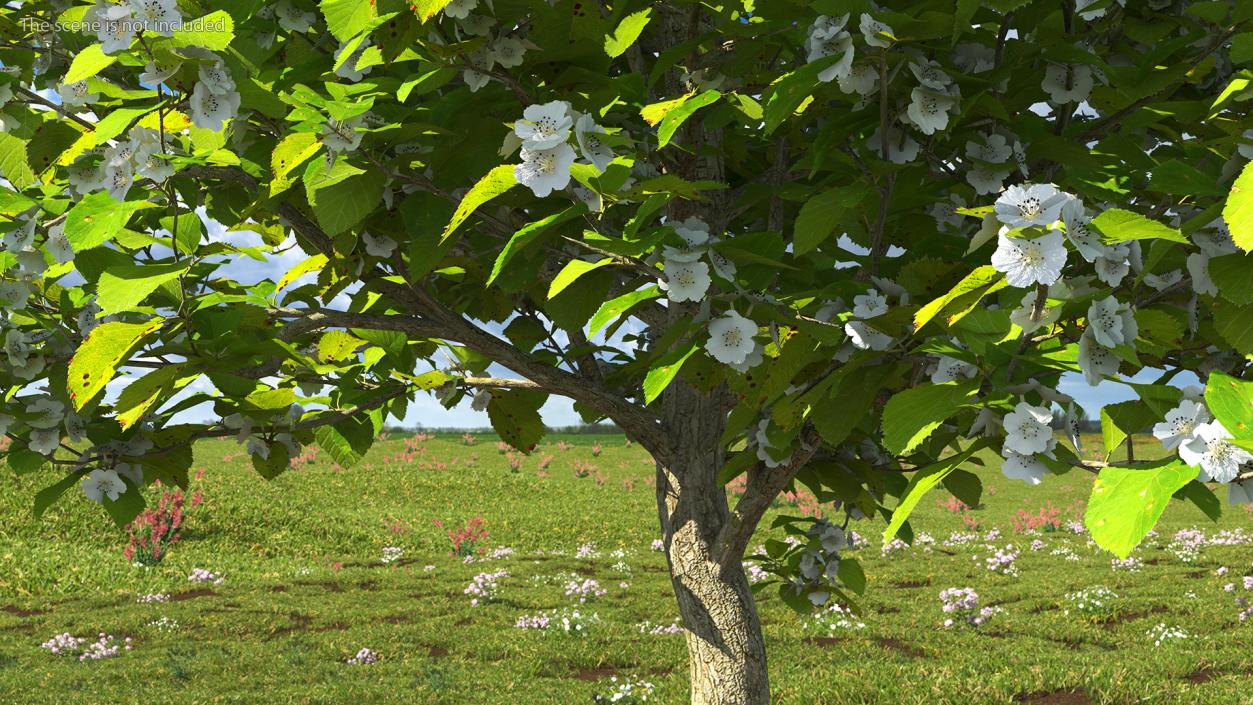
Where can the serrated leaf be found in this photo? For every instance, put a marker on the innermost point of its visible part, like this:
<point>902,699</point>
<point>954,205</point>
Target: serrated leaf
<point>294,150</point>
<point>1117,225</point>
<point>116,122</point>
<point>494,183</point>
<point>14,164</point>
<point>922,482</point>
<point>426,9</point>
<point>49,495</point>
<point>516,419</point>
<point>312,264</point>
<point>525,236</point>
<point>344,196</point>
<point>161,384</point>
<point>1238,212</point>
<point>570,273</point>
<point>97,219</point>
<point>665,370</point>
<point>655,112</point>
<point>627,33</point>
<point>822,213</point>
<point>337,346</point>
<point>615,307</point>
<point>88,63</point>
<point>347,18</point>
<point>96,360</point>
<point>910,416</point>
<point>214,31</point>
<point>1127,502</point>
<point>676,116</point>
<point>123,287</point>
<point>25,461</point>
<point>1233,275</point>
<point>348,440</point>
<point>1230,400</point>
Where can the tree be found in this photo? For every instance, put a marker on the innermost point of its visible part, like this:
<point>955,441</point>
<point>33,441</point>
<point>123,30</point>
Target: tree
<point>824,243</point>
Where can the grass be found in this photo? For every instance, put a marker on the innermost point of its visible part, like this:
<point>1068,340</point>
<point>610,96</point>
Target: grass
<point>305,588</point>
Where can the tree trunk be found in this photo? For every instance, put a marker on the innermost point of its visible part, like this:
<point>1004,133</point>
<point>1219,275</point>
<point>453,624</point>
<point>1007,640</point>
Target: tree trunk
<point>724,640</point>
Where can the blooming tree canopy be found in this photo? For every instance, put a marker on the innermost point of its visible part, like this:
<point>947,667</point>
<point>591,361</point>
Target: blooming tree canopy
<point>845,245</point>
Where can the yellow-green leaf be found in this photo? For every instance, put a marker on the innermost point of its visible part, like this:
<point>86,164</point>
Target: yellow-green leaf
<point>493,184</point>
<point>97,359</point>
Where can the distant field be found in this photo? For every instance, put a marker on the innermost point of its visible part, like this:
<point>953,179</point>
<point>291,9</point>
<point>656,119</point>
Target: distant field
<point>304,589</point>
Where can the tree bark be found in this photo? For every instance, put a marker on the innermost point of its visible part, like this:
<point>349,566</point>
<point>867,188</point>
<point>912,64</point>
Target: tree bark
<point>724,639</point>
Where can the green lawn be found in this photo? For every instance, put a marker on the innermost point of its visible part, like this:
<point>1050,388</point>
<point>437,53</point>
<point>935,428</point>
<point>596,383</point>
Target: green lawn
<point>304,588</point>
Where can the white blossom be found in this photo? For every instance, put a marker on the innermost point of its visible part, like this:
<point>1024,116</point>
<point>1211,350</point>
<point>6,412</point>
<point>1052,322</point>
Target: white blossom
<point>950,369</point>
<point>1240,492</point>
<point>930,75</point>
<point>460,9</point>
<point>731,338</point>
<point>101,483</point>
<point>545,170</point>
<point>45,440</point>
<point>1067,83</point>
<point>686,281</point>
<point>1027,468</point>
<point>1029,262</point>
<point>211,111</point>
<point>693,230</point>
<point>159,17</point>
<point>1198,268</point>
<point>862,79</point>
<point>22,237</point>
<point>292,18</point>
<point>1219,460</point>
<point>1030,205</point>
<point>1181,424</point>
<point>870,304</point>
<point>1165,280</point>
<point>1071,423</point>
<point>902,148</point>
<point>342,136</point>
<point>349,70</point>
<point>115,29</point>
<point>591,146</point>
<point>872,28</point>
<point>215,77</point>
<point>77,93</point>
<point>1112,323</point>
<point>1095,361</point>
<point>1027,429</point>
<point>1079,230</point>
<point>929,109</point>
<point>508,51</point>
<point>1113,264</point>
<point>378,245</point>
<point>865,337</point>
<point>544,126</point>
<point>828,38</point>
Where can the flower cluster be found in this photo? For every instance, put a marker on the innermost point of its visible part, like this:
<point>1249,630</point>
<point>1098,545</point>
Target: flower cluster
<point>153,597</point>
<point>567,621</point>
<point>363,657</point>
<point>1202,441</point>
<point>544,134</point>
<point>834,618</point>
<point>278,431</point>
<point>391,554</point>
<point>153,532</point>
<point>1093,601</point>
<point>484,586</point>
<point>1161,634</point>
<point>963,606</point>
<point>1002,561</point>
<point>105,646</point>
<point>626,692</point>
<point>202,575</point>
<point>585,590</point>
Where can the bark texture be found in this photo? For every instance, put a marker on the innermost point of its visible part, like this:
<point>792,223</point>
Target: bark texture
<point>725,644</point>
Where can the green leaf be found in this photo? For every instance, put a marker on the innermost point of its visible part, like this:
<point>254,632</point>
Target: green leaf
<point>1233,275</point>
<point>1239,209</point>
<point>665,370</point>
<point>276,462</point>
<point>12,203</point>
<point>49,495</point>
<point>426,9</point>
<point>345,196</point>
<point>1127,502</point>
<point>97,219</point>
<point>1231,402</point>
<point>1118,421</point>
<point>126,507</point>
<point>494,183</point>
<point>295,149</point>
<point>982,278</point>
<point>312,264</point>
<point>348,440</point>
<point>791,92</point>
<point>574,269</point>
<point>88,63</point>
<point>214,31</point>
<point>25,461</point>
<point>628,31</point>
<point>1235,325</point>
<point>515,418</point>
<point>611,309</point>
<point>116,122</point>
<point>348,18</point>
<point>822,213</point>
<point>97,359</point>
<point>921,483</point>
<point>528,234</point>
<point>1117,225</point>
<point>910,416</point>
<point>139,396</point>
<point>1203,497</point>
<point>123,288</point>
<point>14,164</point>
<point>1174,177</point>
<point>676,116</point>
<point>336,346</point>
